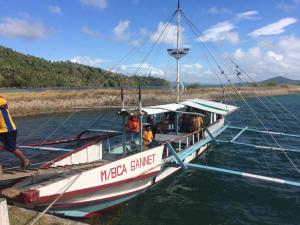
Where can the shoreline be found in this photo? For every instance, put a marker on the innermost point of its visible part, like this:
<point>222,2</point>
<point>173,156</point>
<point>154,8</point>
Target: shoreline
<point>61,101</point>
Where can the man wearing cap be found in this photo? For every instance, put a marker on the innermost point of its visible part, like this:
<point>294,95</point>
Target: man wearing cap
<point>8,134</point>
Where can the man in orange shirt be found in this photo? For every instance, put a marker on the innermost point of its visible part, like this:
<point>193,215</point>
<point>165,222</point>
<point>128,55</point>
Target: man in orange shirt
<point>8,134</point>
<point>147,137</point>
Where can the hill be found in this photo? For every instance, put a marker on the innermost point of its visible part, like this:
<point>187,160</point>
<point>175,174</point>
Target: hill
<point>279,80</point>
<point>20,70</point>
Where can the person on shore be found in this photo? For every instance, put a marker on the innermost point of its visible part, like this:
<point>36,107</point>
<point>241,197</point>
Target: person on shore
<point>147,137</point>
<point>8,134</point>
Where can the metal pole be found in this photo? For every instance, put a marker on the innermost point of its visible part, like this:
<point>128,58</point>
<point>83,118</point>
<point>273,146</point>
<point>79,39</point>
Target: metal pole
<point>4,220</point>
<point>177,123</point>
<point>140,120</point>
<point>177,58</point>
<point>123,120</point>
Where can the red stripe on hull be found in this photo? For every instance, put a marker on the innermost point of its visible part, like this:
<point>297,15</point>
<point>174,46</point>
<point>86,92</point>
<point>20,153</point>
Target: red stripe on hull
<point>120,196</point>
<point>100,200</point>
<point>50,198</point>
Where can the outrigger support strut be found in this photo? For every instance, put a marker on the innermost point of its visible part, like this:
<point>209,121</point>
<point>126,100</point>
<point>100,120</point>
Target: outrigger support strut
<point>243,129</point>
<point>239,134</point>
<point>260,146</point>
<point>228,171</point>
<point>265,131</point>
<point>179,160</point>
<point>210,134</point>
<point>243,174</point>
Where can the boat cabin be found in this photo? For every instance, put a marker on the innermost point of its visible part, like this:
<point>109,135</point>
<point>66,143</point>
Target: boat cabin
<point>173,123</point>
<point>186,121</point>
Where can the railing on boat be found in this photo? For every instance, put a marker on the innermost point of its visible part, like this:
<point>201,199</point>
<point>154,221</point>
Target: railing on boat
<point>185,141</point>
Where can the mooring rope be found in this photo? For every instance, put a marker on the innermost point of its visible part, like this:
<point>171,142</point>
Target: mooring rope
<point>67,186</point>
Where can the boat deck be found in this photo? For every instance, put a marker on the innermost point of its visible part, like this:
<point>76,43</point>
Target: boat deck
<point>18,173</point>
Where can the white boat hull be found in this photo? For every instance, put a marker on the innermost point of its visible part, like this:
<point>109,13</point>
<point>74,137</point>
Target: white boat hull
<point>109,185</point>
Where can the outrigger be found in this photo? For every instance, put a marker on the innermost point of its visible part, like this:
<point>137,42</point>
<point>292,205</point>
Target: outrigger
<point>95,174</point>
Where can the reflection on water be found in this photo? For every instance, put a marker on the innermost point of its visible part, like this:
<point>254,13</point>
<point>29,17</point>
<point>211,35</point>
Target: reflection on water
<point>197,197</point>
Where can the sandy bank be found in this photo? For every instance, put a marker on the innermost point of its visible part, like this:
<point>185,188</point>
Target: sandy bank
<point>33,103</point>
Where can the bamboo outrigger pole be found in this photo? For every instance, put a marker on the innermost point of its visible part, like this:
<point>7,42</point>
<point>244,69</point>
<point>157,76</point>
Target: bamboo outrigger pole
<point>243,174</point>
<point>178,159</point>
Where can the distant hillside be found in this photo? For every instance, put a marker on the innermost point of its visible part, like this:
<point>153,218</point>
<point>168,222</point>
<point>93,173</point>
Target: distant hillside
<point>279,81</point>
<point>20,70</point>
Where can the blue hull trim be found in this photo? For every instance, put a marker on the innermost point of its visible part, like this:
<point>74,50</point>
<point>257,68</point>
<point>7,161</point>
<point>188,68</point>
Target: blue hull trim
<point>83,210</point>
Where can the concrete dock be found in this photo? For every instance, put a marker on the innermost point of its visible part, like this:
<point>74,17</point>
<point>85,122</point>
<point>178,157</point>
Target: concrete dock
<point>22,216</point>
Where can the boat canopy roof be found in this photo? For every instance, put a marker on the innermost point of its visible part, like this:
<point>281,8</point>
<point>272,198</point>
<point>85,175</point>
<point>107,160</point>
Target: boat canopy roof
<point>206,105</point>
<point>210,106</point>
<point>156,109</point>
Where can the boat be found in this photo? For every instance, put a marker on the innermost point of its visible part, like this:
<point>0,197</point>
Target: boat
<point>94,175</point>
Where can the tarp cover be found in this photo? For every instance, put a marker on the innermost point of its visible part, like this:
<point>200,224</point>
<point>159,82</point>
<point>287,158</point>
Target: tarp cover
<point>156,109</point>
<point>210,106</point>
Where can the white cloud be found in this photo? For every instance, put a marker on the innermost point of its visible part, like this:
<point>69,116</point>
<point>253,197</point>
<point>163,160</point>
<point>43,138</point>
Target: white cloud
<point>274,28</point>
<point>169,36</point>
<point>286,7</point>
<point>22,28</point>
<point>191,73</point>
<point>289,7</point>
<point>90,32</point>
<point>239,53</point>
<point>141,69</point>
<point>272,55</point>
<point>271,58</point>
<point>248,15</point>
<point>85,60</point>
<point>55,9</point>
<point>255,52</point>
<point>218,10</point>
<point>186,67</point>
<point>121,31</point>
<point>98,4</point>
<point>220,32</point>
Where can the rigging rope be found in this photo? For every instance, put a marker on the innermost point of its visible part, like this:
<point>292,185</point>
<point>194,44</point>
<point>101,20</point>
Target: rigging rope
<point>238,92</point>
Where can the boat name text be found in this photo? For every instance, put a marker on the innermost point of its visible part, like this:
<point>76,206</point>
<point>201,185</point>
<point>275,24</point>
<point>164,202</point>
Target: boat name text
<point>121,169</point>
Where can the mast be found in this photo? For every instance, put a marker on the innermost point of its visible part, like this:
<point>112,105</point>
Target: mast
<point>178,52</point>
<point>177,46</point>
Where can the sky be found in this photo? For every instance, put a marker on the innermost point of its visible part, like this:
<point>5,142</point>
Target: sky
<point>131,36</point>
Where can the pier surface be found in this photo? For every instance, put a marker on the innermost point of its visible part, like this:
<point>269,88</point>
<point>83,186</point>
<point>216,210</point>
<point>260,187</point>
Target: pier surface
<point>21,216</point>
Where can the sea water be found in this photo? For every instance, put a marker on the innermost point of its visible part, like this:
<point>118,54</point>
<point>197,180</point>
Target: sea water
<point>200,197</point>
